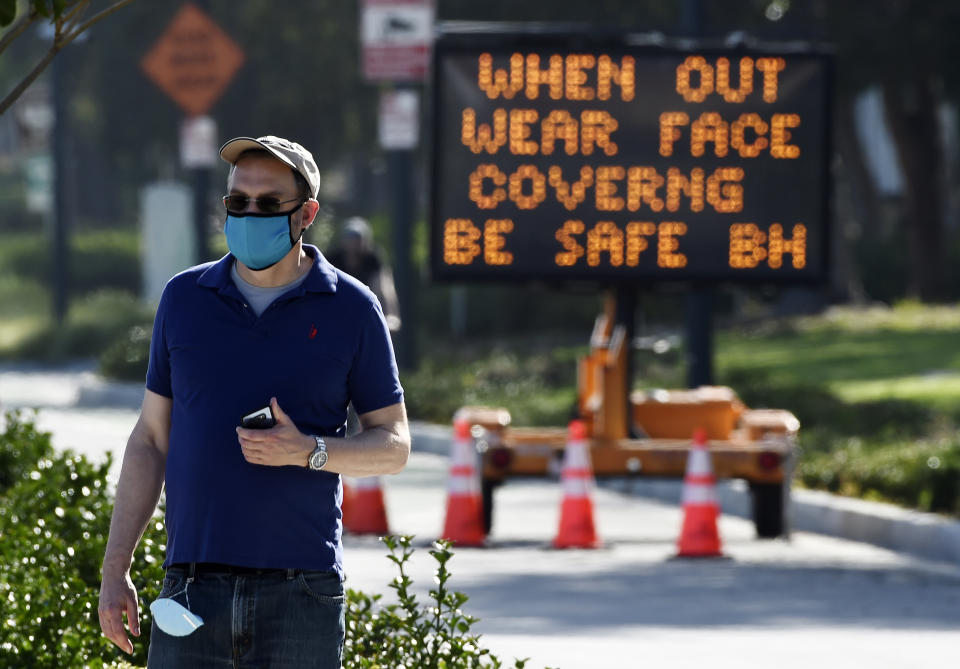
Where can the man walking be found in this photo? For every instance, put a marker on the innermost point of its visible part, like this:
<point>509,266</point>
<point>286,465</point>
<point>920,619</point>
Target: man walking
<point>254,558</point>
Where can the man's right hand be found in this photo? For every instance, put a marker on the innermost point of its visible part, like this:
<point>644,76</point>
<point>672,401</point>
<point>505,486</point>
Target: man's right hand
<point>119,597</point>
<point>141,480</point>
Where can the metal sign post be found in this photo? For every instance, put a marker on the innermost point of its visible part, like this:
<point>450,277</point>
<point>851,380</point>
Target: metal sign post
<point>192,62</point>
<point>397,37</point>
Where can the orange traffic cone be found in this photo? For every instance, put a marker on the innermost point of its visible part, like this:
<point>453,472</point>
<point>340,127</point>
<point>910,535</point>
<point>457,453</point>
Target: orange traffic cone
<point>464,521</point>
<point>699,536</point>
<point>577,529</point>
<point>365,512</point>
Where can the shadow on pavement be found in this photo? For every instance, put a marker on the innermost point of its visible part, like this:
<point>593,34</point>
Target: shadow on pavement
<point>679,593</point>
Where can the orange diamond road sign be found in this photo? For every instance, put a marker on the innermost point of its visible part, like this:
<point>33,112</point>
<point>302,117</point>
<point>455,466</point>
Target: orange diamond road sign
<point>193,61</point>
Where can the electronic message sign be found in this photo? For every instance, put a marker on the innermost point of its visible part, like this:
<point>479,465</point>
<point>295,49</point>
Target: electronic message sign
<point>559,157</point>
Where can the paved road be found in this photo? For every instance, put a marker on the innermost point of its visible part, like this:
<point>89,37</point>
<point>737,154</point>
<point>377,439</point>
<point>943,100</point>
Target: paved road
<point>811,602</point>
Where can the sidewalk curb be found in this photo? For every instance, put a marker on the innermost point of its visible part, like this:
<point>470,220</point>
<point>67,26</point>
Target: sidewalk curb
<point>95,392</point>
<point>72,385</point>
<point>924,535</point>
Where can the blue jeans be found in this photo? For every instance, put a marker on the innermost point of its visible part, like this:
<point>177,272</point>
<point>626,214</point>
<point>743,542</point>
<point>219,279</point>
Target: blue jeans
<point>275,619</point>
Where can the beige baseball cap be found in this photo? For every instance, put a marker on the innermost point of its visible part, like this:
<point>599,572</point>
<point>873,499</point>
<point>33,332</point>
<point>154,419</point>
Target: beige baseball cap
<point>289,153</point>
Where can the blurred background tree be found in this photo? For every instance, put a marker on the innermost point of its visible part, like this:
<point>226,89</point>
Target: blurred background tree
<point>302,79</point>
<point>62,21</point>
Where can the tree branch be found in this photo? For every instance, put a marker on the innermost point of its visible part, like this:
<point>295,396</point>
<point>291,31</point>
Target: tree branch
<point>25,21</point>
<point>72,15</point>
<point>102,14</point>
<point>29,79</point>
<point>60,40</point>
<point>78,7</point>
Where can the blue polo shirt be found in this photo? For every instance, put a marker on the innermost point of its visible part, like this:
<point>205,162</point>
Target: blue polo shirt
<point>318,347</point>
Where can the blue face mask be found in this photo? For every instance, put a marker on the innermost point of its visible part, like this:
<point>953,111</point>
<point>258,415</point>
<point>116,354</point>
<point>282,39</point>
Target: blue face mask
<point>259,241</point>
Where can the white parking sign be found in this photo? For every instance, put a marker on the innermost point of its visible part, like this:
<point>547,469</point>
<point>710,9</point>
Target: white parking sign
<point>396,36</point>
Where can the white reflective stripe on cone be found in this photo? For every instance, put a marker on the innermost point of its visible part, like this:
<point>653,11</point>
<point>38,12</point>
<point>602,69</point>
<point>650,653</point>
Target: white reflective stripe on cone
<point>463,453</point>
<point>694,493</point>
<point>698,462</point>
<point>576,486</point>
<point>576,455</point>
<point>463,485</point>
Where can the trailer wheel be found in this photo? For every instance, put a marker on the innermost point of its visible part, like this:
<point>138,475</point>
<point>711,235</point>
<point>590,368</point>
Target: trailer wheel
<point>768,509</point>
<point>487,487</point>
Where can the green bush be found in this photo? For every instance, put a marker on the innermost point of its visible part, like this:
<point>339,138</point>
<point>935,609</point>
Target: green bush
<point>538,388</point>
<point>98,259</point>
<point>923,475</point>
<point>819,409</point>
<point>22,446</point>
<point>54,520</point>
<point>94,323</point>
<point>55,513</point>
<point>504,310</point>
<point>408,634</point>
<point>126,359</point>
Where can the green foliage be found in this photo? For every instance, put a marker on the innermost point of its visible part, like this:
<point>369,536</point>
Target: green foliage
<point>538,387</point>
<point>24,311</point>
<point>21,447</point>
<point>921,474</point>
<point>885,450</point>
<point>819,409</point>
<point>408,634</point>
<point>882,265</point>
<point>126,359</point>
<point>94,324</point>
<point>54,518</point>
<point>55,513</point>
<point>896,445</point>
<point>8,12</point>
<point>47,9</point>
<point>98,259</point>
<point>848,351</point>
<point>506,311</point>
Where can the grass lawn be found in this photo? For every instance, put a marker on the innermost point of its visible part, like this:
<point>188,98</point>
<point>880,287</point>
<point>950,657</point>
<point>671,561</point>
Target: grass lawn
<point>24,312</point>
<point>878,396</point>
<point>94,321</point>
<point>909,353</point>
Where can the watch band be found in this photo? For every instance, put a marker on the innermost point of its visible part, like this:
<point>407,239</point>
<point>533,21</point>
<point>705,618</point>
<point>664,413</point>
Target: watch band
<point>318,457</point>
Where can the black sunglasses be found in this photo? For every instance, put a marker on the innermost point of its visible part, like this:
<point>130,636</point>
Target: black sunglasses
<point>268,205</point>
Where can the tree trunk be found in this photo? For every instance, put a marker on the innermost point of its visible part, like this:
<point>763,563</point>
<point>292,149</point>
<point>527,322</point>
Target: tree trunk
<point>864,203</point>
<point>912,110</point>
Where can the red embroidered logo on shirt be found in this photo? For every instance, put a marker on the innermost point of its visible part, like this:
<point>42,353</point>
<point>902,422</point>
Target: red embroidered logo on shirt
<point>313,331</point>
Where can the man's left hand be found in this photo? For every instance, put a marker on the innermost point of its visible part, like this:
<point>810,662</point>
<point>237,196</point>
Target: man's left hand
<point>282,444</point>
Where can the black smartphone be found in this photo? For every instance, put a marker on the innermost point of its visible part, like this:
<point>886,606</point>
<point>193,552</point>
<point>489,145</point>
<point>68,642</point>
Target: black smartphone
<point>258,420</point>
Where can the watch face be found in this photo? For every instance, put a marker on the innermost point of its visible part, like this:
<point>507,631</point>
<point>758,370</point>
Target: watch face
<point>318,459</point>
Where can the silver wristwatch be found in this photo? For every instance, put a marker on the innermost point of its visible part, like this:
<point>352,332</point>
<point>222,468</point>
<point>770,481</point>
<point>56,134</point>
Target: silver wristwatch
<point>318,458</point>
